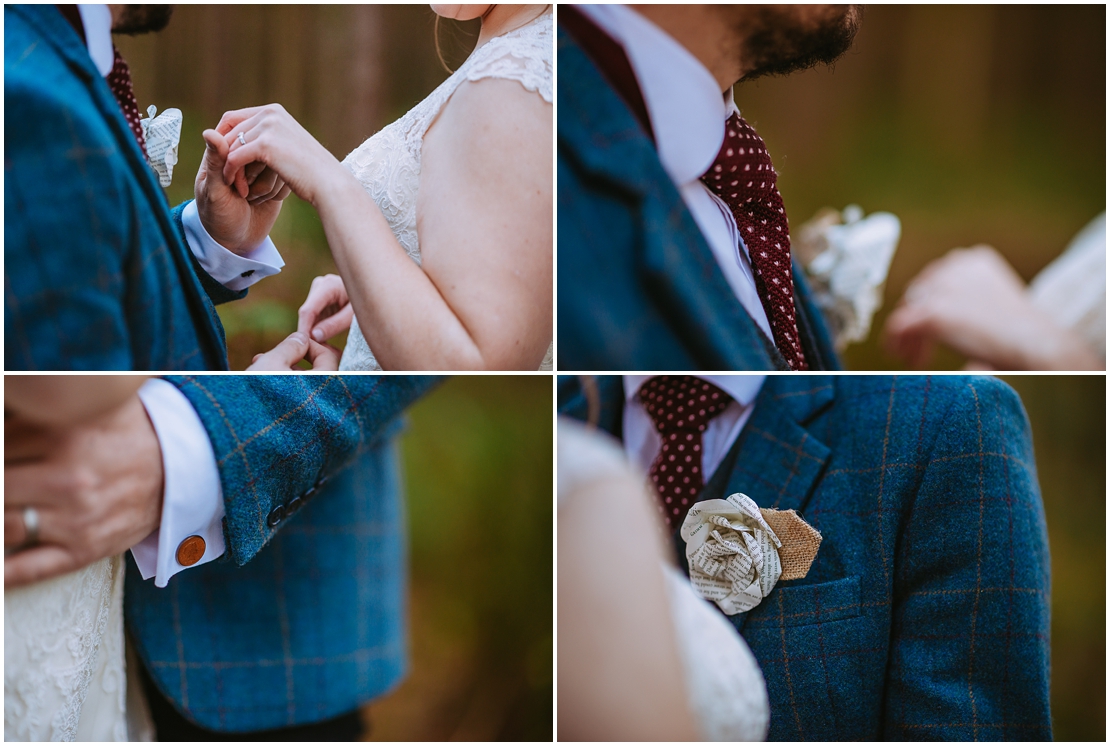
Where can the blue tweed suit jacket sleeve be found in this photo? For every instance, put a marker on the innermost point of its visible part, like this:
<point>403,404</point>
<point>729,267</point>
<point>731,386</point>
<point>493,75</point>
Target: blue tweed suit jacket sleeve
<point>969,647</point>
<point>278,439</point>
<point>303,619</point>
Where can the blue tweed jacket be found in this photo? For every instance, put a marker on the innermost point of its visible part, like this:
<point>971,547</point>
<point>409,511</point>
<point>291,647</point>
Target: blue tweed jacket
<point>925,615</point>
<point>303,618</point>
<point>96,272</point>
<point>639,288</point>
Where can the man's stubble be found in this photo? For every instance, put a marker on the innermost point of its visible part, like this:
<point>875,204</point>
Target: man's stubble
<point>141,19</point>
<point>781,39</point>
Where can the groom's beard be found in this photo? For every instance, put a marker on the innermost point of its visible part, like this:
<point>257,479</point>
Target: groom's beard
<point>780,40</point>
<point>142,19</point>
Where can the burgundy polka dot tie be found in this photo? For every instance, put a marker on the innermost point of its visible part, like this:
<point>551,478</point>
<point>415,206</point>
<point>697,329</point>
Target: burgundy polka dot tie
<point>680,407</point>
<point>744,179</point>
<point>119,80</point>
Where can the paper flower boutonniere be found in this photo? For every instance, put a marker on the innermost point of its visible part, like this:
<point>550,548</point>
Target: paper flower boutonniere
<point>162,134</point>
<point>738,551</point>
<point>846,258</point>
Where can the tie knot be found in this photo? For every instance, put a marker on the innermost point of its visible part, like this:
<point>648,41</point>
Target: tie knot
<point>682,402</point>
<point>742,171</point>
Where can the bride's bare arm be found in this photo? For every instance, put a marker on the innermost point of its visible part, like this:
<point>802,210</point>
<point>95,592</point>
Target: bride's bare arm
<point>483,297</point>
<point>485,218</point>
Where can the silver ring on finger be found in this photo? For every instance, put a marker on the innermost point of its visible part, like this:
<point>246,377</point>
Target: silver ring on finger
<point>242,139</point>
<point>31,526</point>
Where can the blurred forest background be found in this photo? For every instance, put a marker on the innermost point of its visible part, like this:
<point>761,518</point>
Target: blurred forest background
<point>478,456</point>
<point>343,71</point>
<point>971,123</point>
<point>1068,417</point>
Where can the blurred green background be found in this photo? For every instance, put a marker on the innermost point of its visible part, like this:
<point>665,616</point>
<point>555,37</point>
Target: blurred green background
<point>478,456</point>
<point>343,71</point>
<point>971,123</point>
<point>1068,417</point>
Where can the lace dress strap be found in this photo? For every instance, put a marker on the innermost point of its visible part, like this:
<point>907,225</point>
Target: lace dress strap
<point>524,55</point>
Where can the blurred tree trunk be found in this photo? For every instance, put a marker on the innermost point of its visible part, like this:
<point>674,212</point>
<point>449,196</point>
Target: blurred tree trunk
<point>946,70</point>
<point>324,63</point>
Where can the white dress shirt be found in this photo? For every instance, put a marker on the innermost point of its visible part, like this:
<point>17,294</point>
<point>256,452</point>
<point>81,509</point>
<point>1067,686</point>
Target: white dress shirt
<point>192,503</point>
<point>688,114</point>
<point>642,441</point>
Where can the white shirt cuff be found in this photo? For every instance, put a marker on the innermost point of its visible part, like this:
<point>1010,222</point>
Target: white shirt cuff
<point>233,271</point>
<point>193,503</point>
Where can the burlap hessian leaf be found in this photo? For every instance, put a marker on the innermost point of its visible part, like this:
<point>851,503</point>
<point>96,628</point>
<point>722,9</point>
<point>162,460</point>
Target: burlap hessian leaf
<point>800,541</point>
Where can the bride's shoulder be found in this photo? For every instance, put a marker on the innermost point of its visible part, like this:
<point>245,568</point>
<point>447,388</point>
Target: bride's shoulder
<point>492,129</point>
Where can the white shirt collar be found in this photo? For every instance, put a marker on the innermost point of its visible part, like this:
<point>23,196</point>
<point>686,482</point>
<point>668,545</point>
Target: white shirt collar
<point>97,20</point>
<point>686,108</point>
<point>742,388</point>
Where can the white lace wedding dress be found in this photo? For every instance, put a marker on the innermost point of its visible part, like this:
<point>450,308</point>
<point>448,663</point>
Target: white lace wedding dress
<point>65,676</point>
<point>388,164</point>
<point>726,694</point>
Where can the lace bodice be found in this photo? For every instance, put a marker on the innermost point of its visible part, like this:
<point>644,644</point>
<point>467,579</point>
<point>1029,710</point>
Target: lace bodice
<point>64,664</point>
<point>388,164</point>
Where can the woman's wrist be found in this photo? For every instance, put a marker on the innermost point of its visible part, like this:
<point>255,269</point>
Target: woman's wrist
<point>333,187</point>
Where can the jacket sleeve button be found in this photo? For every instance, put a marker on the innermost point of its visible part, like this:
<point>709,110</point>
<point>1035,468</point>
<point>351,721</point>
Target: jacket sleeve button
<point>294,505</point>
<point>190,551</point>
<point>276,516</point>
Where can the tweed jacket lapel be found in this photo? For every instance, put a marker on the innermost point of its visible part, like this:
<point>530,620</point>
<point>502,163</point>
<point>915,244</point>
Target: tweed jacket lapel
<point>60,35</point>
<point>778,460</point>
<point>597,130</point>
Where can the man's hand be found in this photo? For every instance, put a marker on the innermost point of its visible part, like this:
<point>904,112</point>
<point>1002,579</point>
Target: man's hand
<point>240,216</point>
<point>292,350</point>
<point>97,488</point>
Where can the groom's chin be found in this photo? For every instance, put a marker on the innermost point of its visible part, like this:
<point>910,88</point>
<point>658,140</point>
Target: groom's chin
<point>142,19</point>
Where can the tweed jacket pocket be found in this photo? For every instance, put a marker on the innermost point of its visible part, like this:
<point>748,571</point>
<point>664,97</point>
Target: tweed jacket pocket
<point>798,605</point>
<point>807,639</point>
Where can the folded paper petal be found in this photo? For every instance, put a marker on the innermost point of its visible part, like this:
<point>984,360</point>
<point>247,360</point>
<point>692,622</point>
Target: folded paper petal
<point>163,135</point>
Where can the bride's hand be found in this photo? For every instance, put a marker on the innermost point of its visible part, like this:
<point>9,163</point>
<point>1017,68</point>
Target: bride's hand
<point>274,138</point>
<point>292,350</point>
<point>327,309</point>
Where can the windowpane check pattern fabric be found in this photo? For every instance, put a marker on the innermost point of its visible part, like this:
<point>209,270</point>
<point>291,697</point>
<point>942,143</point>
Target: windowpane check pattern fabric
<point>925,615</point>
<point>97,275</point>
<point>743,177</point>
<point>680,407</point>
<point>303,618</point>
